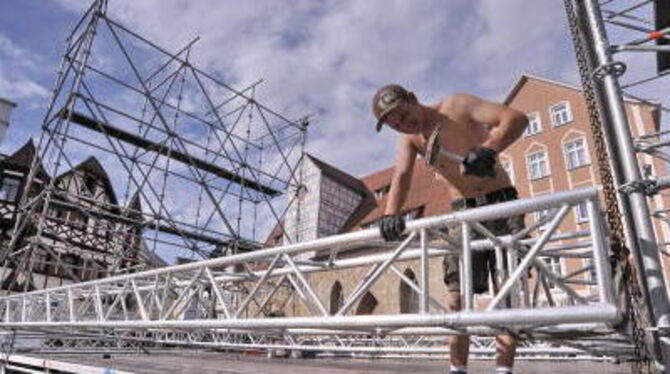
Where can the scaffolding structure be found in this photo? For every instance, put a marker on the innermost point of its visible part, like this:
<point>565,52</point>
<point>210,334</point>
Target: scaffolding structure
<point>246,154</point>
<point>638,27</point>
<point>201,169</point>
<point>198,303</point>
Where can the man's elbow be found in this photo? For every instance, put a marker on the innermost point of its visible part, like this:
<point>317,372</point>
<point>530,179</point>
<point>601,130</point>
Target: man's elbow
<point>519,122</point>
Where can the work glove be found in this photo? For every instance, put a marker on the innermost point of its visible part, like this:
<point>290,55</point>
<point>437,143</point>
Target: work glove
<point>480,162</point>
<point>392,226</point>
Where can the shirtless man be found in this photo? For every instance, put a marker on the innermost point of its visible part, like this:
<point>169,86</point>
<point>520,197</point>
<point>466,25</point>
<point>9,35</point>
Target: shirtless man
<point>474,131</point>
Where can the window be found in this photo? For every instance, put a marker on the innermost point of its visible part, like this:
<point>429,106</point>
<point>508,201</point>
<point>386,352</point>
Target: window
<point>89,183</point>
<point>537,165</point>
<point>581,213</point>
<point>553,264</point>
<point>576,154</point>
<point>561,114</point>
<point>380,192</point>
<point>509,169</point>
<point>336,298</point>
<point>10,189</point>
<point>534,124</point>
<point>369,225</point>
<point>542,215</point>
<point>367,304</point>
<point>409,299</point>
<point>413,213</point>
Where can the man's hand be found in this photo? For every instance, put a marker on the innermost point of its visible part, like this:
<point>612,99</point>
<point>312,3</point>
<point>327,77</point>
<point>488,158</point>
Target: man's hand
<point>392,226</point>
<point>480,162</point>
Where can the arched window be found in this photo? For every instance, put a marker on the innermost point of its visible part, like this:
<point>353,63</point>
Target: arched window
<point>367,304</point>
<point>409,299</point>
<point>336,298</point>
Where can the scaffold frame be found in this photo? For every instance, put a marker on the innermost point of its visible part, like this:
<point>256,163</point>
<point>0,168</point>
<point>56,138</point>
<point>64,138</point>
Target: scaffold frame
<point>152,125</point>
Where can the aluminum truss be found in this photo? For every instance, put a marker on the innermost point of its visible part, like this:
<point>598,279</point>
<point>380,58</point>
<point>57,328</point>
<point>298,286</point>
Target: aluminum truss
<point>200,164</point>
<point>207,304</point>
<point>632,26</point>
<point>234,156</point>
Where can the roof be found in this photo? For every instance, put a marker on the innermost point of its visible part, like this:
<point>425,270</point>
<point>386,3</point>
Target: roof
<point>338,175</point>
<point>526,77</point>
<point>5,101</point>
<point>655,106</point>
<point>134,207</point>
<point>428,192</point>
<point>93,166</point>
<point>23,158</point>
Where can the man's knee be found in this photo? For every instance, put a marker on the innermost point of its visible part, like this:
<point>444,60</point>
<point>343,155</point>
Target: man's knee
<point>454,300</point>
<point>506,341</point>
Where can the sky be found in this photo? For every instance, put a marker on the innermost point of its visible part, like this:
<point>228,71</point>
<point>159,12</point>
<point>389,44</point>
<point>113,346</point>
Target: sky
<point>318,58</point>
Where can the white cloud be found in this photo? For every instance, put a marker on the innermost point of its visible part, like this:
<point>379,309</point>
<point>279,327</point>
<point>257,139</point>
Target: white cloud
<point>21,88</point>
<point>16,64</point>
<point>328,57</point>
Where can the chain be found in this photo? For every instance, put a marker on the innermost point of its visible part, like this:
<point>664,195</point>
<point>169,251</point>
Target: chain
<point>630,293</point>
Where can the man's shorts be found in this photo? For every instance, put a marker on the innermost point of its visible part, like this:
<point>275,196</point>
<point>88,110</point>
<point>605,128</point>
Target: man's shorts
<point>483,262</point>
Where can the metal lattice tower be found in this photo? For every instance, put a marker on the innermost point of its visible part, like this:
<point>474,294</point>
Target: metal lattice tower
<point>640,27</point>
<point>247,152</point>
<point>143,154</point>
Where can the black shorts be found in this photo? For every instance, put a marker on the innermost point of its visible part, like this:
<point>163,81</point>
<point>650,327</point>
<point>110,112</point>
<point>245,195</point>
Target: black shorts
<point>483,262</point>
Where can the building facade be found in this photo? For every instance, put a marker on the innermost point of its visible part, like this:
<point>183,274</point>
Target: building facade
<point>556,153</point>
<point>80,237</point>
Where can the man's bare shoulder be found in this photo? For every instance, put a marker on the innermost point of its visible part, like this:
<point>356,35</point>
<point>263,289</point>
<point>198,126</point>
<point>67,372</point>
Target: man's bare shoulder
<point>457,106</point>
<point>458,101</point>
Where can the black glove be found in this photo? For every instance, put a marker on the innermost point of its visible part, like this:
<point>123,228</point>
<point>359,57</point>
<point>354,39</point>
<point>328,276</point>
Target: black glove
<point>480,162</point>
<point>392,226</point>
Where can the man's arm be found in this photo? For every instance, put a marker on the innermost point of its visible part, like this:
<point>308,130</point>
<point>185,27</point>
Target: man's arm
<point>507,124</point>
<point>392,224</point>
<point>402,176</point>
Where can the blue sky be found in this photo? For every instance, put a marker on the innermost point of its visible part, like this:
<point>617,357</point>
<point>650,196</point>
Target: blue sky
<point>316,57</point>
<point>321,58</point>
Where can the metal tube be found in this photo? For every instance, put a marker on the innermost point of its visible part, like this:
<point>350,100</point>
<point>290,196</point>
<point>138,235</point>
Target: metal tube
<point>466,269</point>
<point>528,259</point>
<point>425,276</point>
<point>641,48</point>
<point>378,272</point>
<point>416,289</point>
<point>490,212</point>
<point>519,318</point>
<point>257,286</point>
<point>600,258</point>
<point>310,291</point>
<point>651,266</point>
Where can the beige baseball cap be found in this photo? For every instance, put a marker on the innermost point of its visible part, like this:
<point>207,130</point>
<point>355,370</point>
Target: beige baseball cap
<point>386,99</point>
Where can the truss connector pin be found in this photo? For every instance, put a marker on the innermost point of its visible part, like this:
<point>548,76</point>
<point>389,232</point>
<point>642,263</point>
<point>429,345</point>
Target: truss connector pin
<point>615,68</point>
<point>647,186</point>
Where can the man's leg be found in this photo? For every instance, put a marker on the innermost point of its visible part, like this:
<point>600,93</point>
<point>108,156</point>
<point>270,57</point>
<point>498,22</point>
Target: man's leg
<point>505,351</point>
<point>459,345</point>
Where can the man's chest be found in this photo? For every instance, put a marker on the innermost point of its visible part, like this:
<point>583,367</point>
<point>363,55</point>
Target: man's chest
<point>454,137</point>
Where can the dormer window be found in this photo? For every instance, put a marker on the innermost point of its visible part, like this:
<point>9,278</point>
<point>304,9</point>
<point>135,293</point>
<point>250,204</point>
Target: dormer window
<point>380,192</point>
<point>89,182</point>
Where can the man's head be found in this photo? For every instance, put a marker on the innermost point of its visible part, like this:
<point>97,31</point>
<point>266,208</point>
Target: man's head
<point>398,107</point>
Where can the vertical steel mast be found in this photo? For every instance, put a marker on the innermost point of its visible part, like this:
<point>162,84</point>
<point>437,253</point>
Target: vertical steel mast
<point>605,76</point>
